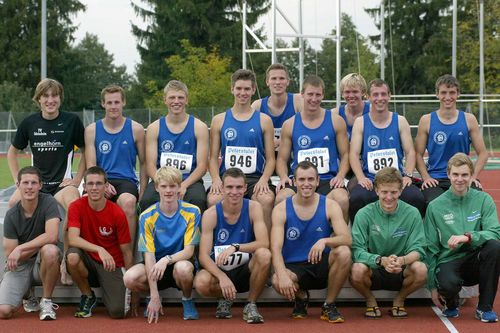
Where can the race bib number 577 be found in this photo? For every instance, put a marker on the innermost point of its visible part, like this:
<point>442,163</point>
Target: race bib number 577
<point>236,259</point>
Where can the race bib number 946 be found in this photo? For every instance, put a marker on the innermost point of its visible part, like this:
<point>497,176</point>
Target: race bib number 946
<point>243,158</point>
<point>379,159</point>
<point>236,259</point>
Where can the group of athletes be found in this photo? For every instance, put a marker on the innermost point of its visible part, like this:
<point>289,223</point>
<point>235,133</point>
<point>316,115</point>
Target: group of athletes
<point>354,164</point>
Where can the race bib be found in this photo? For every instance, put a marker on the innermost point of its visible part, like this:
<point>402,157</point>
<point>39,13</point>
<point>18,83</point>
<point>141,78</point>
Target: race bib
<point>320,157</point>
<point>379,159</point>
<point>182,162</point>
<point>243,158</point>
<point>236,259</point>
<point>277,133</point>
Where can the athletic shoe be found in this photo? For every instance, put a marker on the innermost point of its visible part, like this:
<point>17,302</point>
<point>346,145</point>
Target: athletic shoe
<point>31,304</point>
<point>223,310</point>
<point>451,313</point>
<point>47,309</point>
<point>87,304</point>
<point>486,316</point>
<point>190,312</point>
<point>251,315</point>
<point>330,313</point>
<point>300,307</point>
<point>147,299</point>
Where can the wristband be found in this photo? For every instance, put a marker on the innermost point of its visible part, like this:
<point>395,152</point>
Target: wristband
<point>169,258</point>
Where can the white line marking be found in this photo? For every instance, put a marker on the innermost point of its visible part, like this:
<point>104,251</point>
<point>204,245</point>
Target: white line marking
<point>445,320</point>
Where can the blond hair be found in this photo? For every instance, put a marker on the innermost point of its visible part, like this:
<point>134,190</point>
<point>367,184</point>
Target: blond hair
<point>388,175</point>
<point>353,80</point>
<point>458,160</point>
<point>175,85</point>
<point>111,89</point>
<point>169,175</point>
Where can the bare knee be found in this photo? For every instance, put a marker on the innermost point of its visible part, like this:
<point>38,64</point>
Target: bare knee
<point>183,270</point>
<point>72,260</point>
<point>134,277</point>
<point>128,203</point>
<point>213,199</point>
<point>6,311</point>
<point>419,271</point>
<point>283,194</point>
<point>202,282</point>
<point>49,254</point>
<point>262,256</point>
<point>359,272</point>
<point>266,200</point>
<point>342,255</point>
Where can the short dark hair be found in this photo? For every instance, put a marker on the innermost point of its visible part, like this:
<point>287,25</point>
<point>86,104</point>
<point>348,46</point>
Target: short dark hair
<point>111,89</point>
<point>314,81</point>
<point>447,80</point>
<point>388,175</point>
<point>304,165</point>
<point>95,170</point>
<point>277,66</point>
<point>29,170</point>
<point>234,173</point>
<point>378,83</point>
<point>244,75</point>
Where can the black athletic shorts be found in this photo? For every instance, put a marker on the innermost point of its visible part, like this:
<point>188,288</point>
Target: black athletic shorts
<point>311,276</point>
<point>240,277</point>
<point>123,186</point>
<point>323,188</point>
<point>382,279</point>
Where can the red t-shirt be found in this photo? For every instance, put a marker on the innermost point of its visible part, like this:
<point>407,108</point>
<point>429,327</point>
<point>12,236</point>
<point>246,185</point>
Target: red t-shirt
<point>107,228</point>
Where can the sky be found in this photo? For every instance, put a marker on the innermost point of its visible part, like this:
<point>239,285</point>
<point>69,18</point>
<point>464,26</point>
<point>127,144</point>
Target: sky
<point>111,21</point>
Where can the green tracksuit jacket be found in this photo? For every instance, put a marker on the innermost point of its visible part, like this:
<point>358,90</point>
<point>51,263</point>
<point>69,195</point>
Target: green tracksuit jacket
<point>450,215</point>
<point>376,232</point>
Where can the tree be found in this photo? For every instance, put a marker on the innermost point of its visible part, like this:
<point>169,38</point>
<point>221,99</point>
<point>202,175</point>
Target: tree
<point>20,38</point>
<point>411,24</point>
<point>205,73</point>
<point>14,98</point>
<point>87,69</point>
<point>205,23</point>
<point>352,46</point>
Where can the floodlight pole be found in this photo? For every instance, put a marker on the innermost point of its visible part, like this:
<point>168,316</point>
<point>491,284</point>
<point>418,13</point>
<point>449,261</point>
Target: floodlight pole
<point>481,65</point>
<point>301,49</point>
<point>337,3</point>
<point>382,41</point>
<point>244,36</point>
<point>454,41</point>
<point>43,55</point>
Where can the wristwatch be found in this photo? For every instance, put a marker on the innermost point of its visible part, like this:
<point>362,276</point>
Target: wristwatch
<point>407,174</point>
<point>236,246</point>
<point>378,261</point>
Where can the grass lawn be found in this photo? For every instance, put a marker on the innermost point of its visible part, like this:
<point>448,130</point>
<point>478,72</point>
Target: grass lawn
<point>24,160</point>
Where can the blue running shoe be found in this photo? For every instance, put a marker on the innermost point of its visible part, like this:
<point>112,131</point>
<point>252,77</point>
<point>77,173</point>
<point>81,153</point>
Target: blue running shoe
<point>450,313</point>
<point>486,316</point>
<point>190,312</point>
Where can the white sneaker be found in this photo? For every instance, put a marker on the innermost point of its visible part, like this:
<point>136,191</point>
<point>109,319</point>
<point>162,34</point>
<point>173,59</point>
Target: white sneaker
<point>31,304</point>
<point>47,309</point>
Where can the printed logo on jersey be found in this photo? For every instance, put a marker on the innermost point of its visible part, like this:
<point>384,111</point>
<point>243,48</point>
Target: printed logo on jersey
<point>440,137</point>
<point>373,141</point>
<point>230,134</point>
<point>105,231</point>
<point>105,147</point>
<point>167,145</point>
<point>292,233</point>
<point>304,141</point>
<point>48,145</point>
<point>222,235</point>
<point>399,232</point>
<point>39,132</point>
<point>449,218</point>
<point>474,216</point>
<point>376,229</point>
